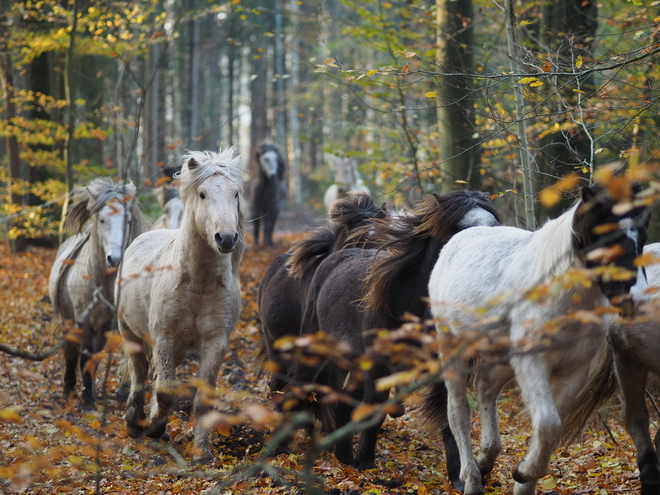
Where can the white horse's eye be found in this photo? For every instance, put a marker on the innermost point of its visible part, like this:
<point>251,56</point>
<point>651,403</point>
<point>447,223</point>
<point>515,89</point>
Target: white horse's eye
<point>102,221</point>
<point>236,195</point>
<point>202,195</point>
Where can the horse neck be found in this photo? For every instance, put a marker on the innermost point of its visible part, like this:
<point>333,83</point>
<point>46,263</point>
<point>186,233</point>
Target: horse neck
<point>409,286</point>
<point>202,262</point>
<point>552,246</point>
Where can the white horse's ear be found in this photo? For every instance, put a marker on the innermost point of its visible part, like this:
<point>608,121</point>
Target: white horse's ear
<point>192,164</point>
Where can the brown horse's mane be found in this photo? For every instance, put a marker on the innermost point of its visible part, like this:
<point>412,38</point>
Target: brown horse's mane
<point>345,215</point>
<point>406,238</point>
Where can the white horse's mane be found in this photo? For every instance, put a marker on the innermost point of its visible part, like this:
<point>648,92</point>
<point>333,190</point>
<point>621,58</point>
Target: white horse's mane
<point>553,244</point>
<point>210,163</point>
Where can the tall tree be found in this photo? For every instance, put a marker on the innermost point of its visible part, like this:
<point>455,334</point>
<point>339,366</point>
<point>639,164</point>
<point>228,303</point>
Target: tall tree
<point>458,148</point>
<point>7,79</point>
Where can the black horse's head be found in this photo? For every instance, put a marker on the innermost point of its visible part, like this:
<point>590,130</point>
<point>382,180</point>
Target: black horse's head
<point>612,232</point>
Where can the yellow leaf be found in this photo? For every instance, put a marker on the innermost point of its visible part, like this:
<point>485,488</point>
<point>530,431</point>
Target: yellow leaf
<point>10,414</point>
<point>431,94</point>
<point>548,483</point>
<point>372,72</point>
<point>526,22</point>
<point>361,412</point>
<point>578,62</point>
<point>567,182</point>
<point>536,84</point>
<point>460,182</point>
<point>76,460</point>
<point>95,424</point>
<point>98,133</point>
<point>530,80</point>
<point>549,197</point>
<point>331,62</point>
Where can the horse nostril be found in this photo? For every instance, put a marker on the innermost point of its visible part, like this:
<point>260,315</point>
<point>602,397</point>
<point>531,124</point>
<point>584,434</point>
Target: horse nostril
<point>110,261</point>
<point>218,239</point>
<point>235,239</point>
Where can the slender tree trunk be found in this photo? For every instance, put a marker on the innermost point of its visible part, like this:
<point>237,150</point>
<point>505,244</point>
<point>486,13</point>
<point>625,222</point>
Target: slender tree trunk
<point>528,190</point>
<point>293,107</point>
<point>18,244</point>
<point>71,117</point>
<point>458,148</point>
<point>280,105</point>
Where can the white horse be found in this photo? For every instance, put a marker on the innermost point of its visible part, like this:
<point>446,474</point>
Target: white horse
<point>82,279</point>
<point>170,201</point>
<point>551,342</point>
<point>347,178</point>
<point>180,291</point>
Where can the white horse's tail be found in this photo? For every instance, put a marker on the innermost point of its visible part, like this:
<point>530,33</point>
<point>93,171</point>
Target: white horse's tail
<point>600,385</point>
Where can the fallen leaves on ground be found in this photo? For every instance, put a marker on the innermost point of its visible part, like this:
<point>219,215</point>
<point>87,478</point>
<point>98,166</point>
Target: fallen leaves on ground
<point>49,447</point>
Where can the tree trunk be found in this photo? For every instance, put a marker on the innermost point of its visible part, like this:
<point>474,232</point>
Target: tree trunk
<point>7,79</point>
<point>458,148</point>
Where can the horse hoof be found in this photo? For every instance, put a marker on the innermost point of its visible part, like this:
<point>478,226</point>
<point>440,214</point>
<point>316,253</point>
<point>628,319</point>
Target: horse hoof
<point>519,477</point>
<point>457,484</point>
<point>87,406</point>
<point>368,464</point>
<point>155,431</point>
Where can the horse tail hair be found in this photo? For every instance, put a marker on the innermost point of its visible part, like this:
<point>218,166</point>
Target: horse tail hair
<point>435,405</point>
<point>600,385</point>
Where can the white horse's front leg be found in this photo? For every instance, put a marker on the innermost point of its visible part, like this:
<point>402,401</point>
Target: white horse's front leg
<point>490,381</point>
<point>165,396</point>
<point>533,379</point>
<point>458,410</point>
<point>213,352</point>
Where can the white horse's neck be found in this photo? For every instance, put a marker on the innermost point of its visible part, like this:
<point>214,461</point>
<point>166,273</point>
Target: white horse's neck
<point>553,245</point>
<point>203,263</point>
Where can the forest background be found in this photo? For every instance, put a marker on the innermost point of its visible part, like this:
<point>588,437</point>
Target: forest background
<point>422,95</point>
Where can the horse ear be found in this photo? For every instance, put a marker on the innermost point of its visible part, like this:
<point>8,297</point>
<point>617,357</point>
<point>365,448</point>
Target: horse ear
<point>587,194</point>
<point>192,164</point>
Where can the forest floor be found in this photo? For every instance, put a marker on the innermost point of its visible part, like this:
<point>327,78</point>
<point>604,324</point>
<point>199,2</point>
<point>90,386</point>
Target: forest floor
<point>49,447</point>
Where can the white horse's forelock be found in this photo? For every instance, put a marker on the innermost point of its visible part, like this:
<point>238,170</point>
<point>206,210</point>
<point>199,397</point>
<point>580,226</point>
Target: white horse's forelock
<point>102,190</point>
<point>210,163</point>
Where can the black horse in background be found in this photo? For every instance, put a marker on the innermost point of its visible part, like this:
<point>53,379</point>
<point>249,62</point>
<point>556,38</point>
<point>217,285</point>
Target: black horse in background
<point>283,289</point>
<point>267,191</point>
<point>355,291</point>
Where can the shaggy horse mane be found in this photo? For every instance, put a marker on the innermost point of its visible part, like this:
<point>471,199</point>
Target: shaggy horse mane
<point>345,215</point>
<point>406,238</point>
<point>88,200</point>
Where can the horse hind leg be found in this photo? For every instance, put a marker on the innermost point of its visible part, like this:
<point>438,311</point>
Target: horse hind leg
<point>632,379</point>
<point>71,359</point>
<point>269,226</point>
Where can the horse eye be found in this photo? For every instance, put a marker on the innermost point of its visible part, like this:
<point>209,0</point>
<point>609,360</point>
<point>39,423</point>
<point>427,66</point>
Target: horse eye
<point>236,195</point>
<point>202,195</point>
<point>102,221</point>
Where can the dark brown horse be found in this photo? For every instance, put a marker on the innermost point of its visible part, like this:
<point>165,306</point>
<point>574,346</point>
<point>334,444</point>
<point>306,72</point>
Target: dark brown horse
<point>355,291</point>
<point>283,289</point>
<point>268,190</point>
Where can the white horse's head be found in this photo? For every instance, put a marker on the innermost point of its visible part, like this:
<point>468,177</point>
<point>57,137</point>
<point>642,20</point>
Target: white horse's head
<point>174,210</point>
<point>211,191</point>
<point>112,222</point>
<point>269,162</point>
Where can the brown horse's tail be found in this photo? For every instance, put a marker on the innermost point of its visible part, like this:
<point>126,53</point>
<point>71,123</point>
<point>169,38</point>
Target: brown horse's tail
<point>434,409</point>
<point>600,385</point>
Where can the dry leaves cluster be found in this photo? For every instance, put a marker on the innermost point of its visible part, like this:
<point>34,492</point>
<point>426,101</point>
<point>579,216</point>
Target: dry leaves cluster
<point>49,447</point>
